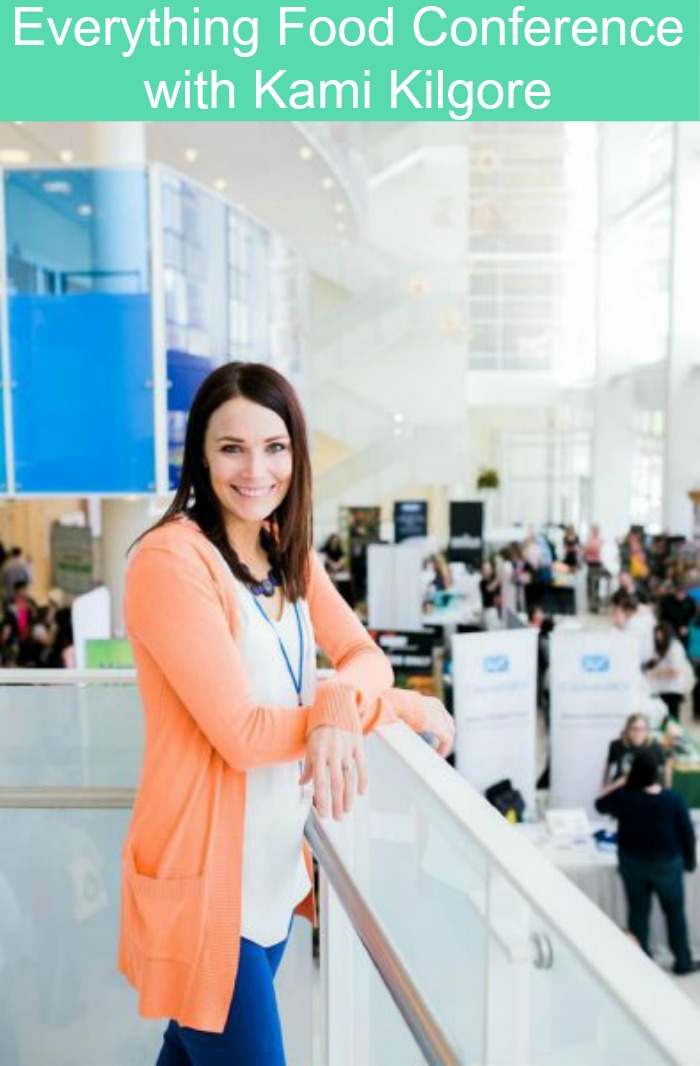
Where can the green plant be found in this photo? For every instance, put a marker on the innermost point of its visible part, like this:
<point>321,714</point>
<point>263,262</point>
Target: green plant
<point>488,479</point>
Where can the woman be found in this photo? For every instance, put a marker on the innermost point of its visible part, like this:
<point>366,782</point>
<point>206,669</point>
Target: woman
<point>224,606</point>
<point>635,737</point>
<point>656,842</point>
<point>669,672</point>
<point>572,548</point>
<point>333,555</point>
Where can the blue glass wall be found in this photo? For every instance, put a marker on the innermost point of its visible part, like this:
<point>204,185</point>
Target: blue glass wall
<point>232,291</point>
<point>79,309</point>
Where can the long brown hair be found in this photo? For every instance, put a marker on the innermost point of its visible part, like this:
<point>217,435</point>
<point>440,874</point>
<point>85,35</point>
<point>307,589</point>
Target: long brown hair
<point>287,536</point>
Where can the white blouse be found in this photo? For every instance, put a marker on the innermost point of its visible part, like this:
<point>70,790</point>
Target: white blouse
<point>275,878</point>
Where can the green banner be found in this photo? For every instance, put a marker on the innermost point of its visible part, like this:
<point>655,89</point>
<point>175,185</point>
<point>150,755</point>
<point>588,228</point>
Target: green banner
<point>456,61</point>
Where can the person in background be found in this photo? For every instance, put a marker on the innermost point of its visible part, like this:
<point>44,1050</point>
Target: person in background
<point>572,548</point>
<point>679,610</point>
<point>592,554</point>
<point>335,565</point>
<point>490,587</point>
<point>442,578</point>
<point>626,584</point>
<point>15,569</point>
<point>627,614</point>
<point>635,737</point>
<point>537,619</point>
<point>656,842</point>
<point>668,671</point>
<point>638,563</point>
<point>23,607</point>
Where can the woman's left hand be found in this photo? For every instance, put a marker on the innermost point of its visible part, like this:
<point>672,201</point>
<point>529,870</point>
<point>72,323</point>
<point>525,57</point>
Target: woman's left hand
<point>440,724</point>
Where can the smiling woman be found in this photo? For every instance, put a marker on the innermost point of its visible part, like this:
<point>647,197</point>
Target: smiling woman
<point>225,605</point>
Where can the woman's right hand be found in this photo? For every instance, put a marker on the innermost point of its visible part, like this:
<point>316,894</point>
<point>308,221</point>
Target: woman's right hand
<point>335,762</point>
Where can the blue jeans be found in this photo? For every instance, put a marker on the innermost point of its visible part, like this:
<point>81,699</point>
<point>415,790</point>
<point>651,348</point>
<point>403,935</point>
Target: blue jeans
<point>642,879</point>
<point>253,1034</point>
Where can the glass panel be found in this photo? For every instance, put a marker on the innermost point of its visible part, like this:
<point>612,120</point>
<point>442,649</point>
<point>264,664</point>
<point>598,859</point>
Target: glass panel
<point>560,1014</point>
<point>426,885</point>
<point>80,311</point>
<point>70,735</point>
<point>62,999</point>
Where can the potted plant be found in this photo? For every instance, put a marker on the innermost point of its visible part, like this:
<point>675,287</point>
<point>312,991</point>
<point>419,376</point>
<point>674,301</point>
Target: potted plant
<point>488,480</point>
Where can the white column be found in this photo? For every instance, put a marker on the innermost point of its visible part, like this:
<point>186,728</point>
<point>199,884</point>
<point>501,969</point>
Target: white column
<point>122,522</point>
<point>117,143</point>
<point>682,414</point>
<point>613,457</point>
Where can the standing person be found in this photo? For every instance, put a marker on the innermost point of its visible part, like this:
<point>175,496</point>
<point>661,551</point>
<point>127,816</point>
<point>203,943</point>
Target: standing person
<point>333,556</point>
<point>656,842</point>
<point>593,559</point>
<point>669,672</point>
<point>572,548</point>
<point>15,569</point>
<point>490,588</point>
<point>224,605</point>
<point>680,611</point>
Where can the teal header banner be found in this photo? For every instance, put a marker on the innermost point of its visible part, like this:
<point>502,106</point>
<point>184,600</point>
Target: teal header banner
<point>482,60</point>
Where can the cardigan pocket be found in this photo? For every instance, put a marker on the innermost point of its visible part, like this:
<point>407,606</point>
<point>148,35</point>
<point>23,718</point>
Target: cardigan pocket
<point>163,915</point>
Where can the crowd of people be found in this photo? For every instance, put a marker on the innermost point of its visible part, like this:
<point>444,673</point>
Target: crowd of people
<point>31,634</point>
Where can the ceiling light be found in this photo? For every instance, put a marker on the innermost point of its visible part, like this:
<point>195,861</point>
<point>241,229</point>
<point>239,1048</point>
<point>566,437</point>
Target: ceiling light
<point>341,227</point>
<point>60,188</point>
<point>14,155</point>
<point>340,208</point>
<point>66,155</point>
<point>328,183</point>
<point>85,210</point>
<point>306,153</point>
<point>220,184</point>
<point>19,123</point>
<point>191,155</point>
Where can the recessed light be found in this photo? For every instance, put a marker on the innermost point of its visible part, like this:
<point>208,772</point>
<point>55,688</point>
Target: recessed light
<point>14,155</point>
<point>341,227</point>
<point>85,210</point>
<point>19,123</point>
<point>328,183</point>
<point>340,208</point>
<point>191,155</point>
<point>60,188</point>
<point>306,153</point>
<point>220,184</point>
<point>66,155</point>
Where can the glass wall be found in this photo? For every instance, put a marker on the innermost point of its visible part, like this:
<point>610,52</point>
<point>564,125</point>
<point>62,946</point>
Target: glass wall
<point>79,314</point>
<point>233,290</point>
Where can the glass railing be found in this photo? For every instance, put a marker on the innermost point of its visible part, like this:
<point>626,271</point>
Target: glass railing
<point>70,754</point>
<point>512,964</point>
<point>446,937</point>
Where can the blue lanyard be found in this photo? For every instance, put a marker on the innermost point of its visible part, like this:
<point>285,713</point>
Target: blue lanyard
<point>297,681</point>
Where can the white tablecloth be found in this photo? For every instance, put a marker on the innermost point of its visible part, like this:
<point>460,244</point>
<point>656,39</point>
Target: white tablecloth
<point>594,871</point>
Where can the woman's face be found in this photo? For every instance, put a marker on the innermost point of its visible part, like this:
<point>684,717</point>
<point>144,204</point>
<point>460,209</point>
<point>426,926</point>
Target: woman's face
<point>638,731</point>
<point>248,452</point>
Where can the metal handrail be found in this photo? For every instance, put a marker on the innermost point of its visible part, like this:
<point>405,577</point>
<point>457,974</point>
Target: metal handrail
<point>419,1018</point>
<point>429,1036</point>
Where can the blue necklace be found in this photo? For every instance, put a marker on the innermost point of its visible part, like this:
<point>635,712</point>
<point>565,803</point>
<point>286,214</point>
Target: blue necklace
<point>296,678</point>
<point>268,585</point>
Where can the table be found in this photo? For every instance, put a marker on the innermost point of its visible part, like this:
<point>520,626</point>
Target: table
<point>594,871</point>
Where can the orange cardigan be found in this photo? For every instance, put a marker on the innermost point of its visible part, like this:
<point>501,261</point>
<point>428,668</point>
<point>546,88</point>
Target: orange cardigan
<point>182,856</point>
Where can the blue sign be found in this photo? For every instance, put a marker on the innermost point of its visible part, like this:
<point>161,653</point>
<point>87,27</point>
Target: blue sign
<point>496,664</point>
<point>595,664</point>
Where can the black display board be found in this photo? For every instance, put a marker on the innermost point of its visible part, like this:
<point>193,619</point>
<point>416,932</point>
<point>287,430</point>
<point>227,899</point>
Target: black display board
<point>410,519</point>
<point>467,532</point>
<point>410,652</point>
